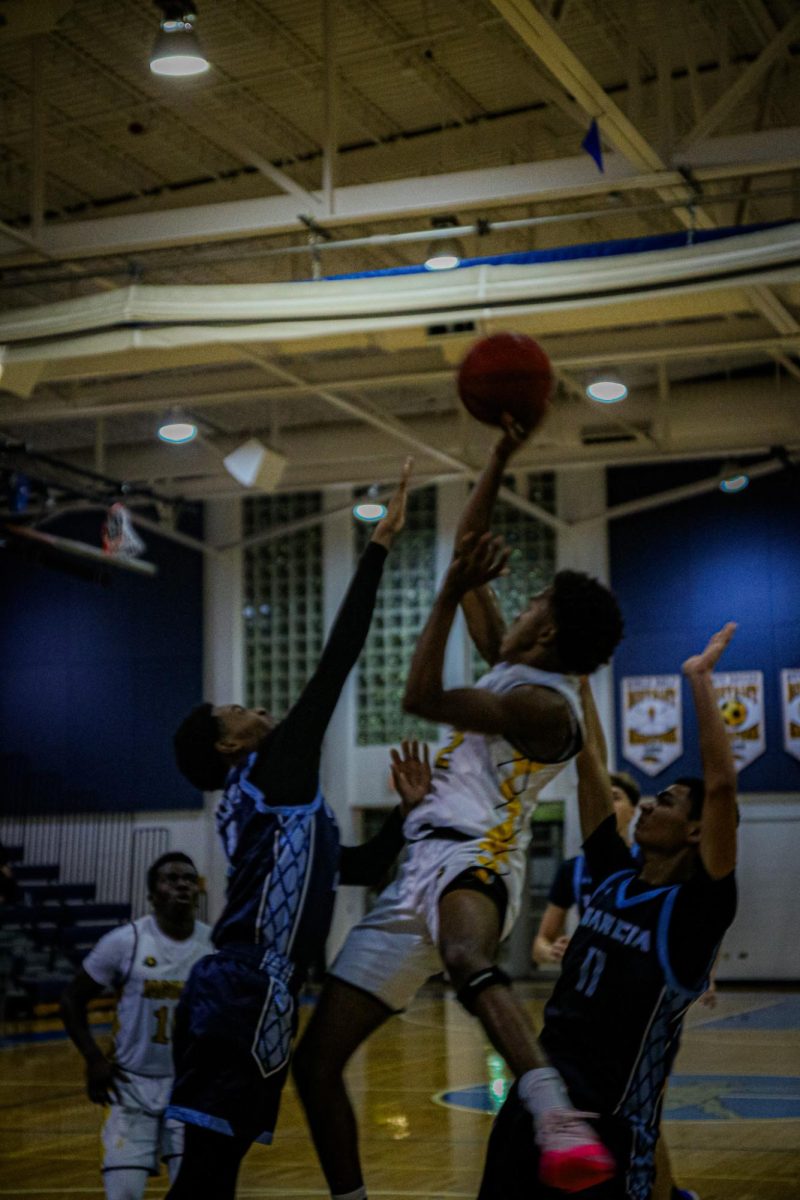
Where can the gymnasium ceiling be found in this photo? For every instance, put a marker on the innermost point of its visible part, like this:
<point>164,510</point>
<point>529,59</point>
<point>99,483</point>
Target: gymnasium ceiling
<point>361,119</point>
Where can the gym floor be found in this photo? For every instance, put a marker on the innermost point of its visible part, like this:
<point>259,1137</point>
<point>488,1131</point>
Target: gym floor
<point>425,1087</point>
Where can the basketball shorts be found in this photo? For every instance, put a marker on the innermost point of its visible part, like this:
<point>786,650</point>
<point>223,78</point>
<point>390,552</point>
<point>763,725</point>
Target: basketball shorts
<point>393,950</point>
<point>136,1133</point>
<point>234,1027</point>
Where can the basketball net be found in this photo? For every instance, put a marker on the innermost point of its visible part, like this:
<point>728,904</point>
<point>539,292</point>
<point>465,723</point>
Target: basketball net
<point>120,539</point>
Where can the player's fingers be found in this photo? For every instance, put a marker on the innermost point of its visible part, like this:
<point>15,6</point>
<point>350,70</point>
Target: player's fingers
<point>415,749</point>
<point>427,754</point>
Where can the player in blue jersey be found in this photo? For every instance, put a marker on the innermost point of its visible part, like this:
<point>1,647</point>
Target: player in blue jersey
<point>649,935</point>
<point>237,1018</point>
<point>461,884</point>
<point>573,885</point>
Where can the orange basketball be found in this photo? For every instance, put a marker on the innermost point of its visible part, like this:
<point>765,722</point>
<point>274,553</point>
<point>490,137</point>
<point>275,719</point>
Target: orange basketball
<point>506,372</point>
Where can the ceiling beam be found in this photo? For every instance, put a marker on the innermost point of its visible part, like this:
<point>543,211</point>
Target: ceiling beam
<point>745,82</point>
<point>743,155</point>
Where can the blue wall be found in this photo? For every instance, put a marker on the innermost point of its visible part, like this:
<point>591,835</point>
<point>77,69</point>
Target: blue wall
<point>94,679</point>
<point>682,571</point>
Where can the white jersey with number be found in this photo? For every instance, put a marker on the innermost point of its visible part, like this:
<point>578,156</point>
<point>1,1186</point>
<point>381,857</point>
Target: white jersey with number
<point>485,788</point>
<point>150,969</point>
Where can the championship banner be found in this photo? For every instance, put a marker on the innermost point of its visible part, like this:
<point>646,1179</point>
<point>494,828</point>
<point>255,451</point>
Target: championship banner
<point>740,696</point>
<point>652,727</point>
<point>790,697</point>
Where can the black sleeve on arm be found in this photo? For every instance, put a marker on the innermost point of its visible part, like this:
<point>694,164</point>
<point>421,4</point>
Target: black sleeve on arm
<point>606,852</point>
<point>287,770</point>
<point>704,908</point>
<point>368,863</point>
<point>562,891</point>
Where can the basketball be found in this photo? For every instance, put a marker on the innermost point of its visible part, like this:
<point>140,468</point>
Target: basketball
<point>506,372</point>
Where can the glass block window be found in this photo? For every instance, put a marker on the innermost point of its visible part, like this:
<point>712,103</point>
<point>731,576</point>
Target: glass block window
<point>533,550</point>
<point>282,612</point>
<point>404,600</point>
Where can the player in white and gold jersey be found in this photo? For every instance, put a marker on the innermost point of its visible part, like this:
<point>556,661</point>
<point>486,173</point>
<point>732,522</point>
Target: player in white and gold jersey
<point>147,963</point>
<point>459,889</point>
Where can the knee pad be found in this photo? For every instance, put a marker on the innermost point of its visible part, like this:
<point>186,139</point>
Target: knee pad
<point>479,982</point>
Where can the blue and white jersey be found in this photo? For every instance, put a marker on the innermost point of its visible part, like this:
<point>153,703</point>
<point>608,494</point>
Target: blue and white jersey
<point>613,1024</point>
<point>283,865</point>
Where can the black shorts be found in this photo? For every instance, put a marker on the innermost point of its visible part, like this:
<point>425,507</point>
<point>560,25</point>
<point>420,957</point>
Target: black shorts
<point>481,879</point>
<point>512,1158</point>
<point>234,1026</point>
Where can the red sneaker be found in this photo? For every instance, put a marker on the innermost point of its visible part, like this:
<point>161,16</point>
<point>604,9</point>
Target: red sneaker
<point>572,1155</point>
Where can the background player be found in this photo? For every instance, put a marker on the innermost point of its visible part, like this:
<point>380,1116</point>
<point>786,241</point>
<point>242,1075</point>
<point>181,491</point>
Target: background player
<point>650,935</point>
<point>573,884</point>
<point>147,962</point>
<point>459,888</point>
<point>238,1017</point>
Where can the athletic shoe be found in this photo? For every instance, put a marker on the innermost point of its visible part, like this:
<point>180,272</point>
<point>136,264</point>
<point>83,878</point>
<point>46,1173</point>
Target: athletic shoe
<point>684,1194</point>
<point>572,1155</point>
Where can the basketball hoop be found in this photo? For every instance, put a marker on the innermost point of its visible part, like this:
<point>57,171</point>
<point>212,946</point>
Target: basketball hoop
<point>120,539</point>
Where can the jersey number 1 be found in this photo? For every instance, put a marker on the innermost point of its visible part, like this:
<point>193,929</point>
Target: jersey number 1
<point>591,970</point>
<point>162,1034</point>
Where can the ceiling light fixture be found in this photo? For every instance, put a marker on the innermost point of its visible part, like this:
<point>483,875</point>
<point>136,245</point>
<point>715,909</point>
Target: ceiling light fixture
<point>733,479</point>
<point>176,50</point>
<point>177,428</point>
<point>444,253</point>
<point>607,391</point>
<point>369,511</point>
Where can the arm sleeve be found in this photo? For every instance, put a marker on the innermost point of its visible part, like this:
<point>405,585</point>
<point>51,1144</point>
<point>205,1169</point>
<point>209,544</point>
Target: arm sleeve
<point>704,908</point>
<point>108,962</point>
<point>606,852</point>
<point>562,893</point>
<point>368,863</point>
<point>287,769</point>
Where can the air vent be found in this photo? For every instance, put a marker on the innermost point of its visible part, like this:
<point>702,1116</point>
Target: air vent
<point>452,327</point>
<point>603,436</point>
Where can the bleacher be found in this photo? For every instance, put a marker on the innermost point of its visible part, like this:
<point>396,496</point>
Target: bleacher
<point>46,934</point>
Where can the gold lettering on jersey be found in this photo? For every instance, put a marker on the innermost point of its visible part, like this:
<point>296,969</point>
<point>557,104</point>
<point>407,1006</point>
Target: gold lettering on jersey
<point>443,757</point>
<point>150,961</point>
<point>162,989</point>
<point>515,781</point>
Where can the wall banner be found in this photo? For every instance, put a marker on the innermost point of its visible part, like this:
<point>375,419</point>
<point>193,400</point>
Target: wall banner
<point>652,727</point>
<point>740,696</point>
<point>790,703</point>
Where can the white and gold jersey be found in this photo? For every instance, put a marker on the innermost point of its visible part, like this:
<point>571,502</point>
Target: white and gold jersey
<point>149,969</point>
<point>485,788</point>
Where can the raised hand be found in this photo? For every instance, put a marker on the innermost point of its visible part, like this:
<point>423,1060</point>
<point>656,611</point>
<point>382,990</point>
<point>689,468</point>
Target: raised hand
<point>411,774</point>
<point>387,529</point>
<point>512,438</point>
<point>476,561</point>
<point>704,663</point>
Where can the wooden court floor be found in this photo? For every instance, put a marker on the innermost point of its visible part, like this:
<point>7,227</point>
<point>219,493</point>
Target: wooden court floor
<point>733,1127</point>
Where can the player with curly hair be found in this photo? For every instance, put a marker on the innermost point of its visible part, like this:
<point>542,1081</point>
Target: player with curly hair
<point>460,888</point>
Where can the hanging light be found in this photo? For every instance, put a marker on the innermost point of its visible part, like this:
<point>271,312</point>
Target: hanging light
<point>370,509</point>
<point>733,479</point>
<point>177,428</point>
<point>176,50</point>
<point>444,253</point>
<point>606,390</point>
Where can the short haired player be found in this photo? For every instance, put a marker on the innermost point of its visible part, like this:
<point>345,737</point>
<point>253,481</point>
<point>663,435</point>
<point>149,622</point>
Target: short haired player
<point>236,1023</point>
<point>147,962</point>
<point>459,889</point>
<point>649,934</point>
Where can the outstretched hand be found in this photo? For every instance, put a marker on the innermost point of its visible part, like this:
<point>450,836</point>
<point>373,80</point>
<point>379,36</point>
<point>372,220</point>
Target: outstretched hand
<point>703,664</point>
<point>387,529</point>
<point>476,561</point>
<point>411,775</point>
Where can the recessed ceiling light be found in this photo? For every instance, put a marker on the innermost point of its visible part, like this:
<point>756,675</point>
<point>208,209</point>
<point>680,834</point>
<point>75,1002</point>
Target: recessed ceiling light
<point>607,391</point>
<point>369,511</point>
<point>737,481</point>
<point>177,430</point>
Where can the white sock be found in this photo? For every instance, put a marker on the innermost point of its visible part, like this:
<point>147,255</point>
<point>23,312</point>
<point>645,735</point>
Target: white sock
<point>542,1089</point>
<point>359,1194</point>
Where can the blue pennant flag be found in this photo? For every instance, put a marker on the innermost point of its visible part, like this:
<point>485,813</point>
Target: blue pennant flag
<point>591,144</point>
